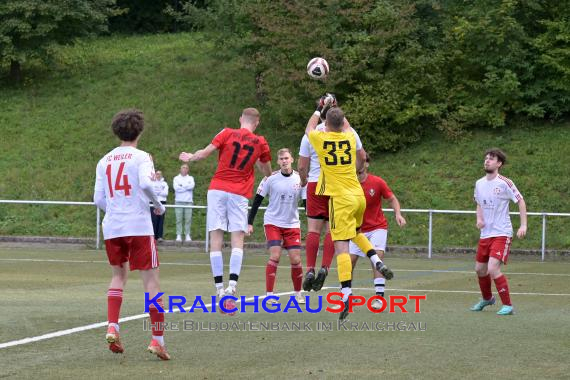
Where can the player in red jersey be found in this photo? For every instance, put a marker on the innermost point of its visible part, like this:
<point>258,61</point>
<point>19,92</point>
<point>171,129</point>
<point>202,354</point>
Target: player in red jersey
<point>374,224</point>
<point>123,188</point>
<point>231,187</point>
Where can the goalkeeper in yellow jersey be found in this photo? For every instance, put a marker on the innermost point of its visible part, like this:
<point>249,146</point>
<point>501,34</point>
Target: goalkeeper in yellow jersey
<point>339,158</point>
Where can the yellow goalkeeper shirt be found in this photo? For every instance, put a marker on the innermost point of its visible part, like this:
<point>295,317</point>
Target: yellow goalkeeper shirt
<point>337,156</point>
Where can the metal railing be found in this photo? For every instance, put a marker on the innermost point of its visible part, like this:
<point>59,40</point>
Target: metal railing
<point>417,211</point>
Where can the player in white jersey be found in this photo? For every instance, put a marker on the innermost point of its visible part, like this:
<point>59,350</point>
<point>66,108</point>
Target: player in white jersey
<point>317,211</point>
<point>492,195</point>
<point>281,221</point>
<point>123,188</point>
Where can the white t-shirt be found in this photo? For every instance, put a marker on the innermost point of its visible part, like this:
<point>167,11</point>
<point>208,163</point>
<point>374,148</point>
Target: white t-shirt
<point>120,174</point>
<point>493,197</point>
<point>306,150</point>
<point>160,189</point>
<point>284,194</point>
<point>183,188</point>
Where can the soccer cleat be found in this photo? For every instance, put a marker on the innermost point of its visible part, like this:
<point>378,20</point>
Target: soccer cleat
<point>479,306</point>
<point>271,301</point>
<point>506,310</point>
<point>229,303</point>
<point>344,313</point>
<point>377,304</point>
<point>155,348</point>
<point>320,280</point>
<point>384,270</point>
<point>114,341</point>
<point>300,299</point>
<point>308,282</point>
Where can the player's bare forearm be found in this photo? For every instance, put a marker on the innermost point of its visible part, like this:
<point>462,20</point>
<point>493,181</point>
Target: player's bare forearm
<point>360,160</point>
<point>397,211</point>
<point>521,233</point>
<point>199,155</point>
<point>480,221</point>
<point>264,168</point>
<point>303,169</point>
<point>312,123</point>
<point>522,212</point>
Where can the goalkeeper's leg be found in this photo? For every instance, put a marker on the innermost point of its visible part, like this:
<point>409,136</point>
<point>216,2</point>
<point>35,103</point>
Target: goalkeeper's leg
<point>365,246</point>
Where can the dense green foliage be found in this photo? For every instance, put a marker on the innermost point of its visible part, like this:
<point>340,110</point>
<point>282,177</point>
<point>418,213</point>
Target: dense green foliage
<point>56,128</point>
<point>404,67</point>
<point>30,29</point>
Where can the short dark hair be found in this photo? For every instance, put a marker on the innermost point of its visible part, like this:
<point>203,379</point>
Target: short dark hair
<point>499,154</point>
<point>335,118</point>
<point>128,124</point>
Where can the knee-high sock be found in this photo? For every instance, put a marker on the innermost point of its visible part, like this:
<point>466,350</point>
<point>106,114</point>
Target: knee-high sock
<point>380,286</point>
<point>270,274</point>
<point>328,251</point>
<point>297,276</point>
<point>312,248</point>
<point>344,267</point>
<point>156,319</point>
<point>217,264</point>
<point>235,265</point>
<point>503,290</point>
<point>485,286</point>
<point>114,301</point>
<point>362,242</point>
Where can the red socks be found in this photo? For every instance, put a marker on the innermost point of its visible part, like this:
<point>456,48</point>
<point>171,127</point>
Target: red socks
<point>328,251</point>
<point>503,289</point>
<point>312,248</point>
<point>297,276</point>
<point>156,319</point>
<point>270,274</point>
<point>114,300</point>
<point>485,285</point>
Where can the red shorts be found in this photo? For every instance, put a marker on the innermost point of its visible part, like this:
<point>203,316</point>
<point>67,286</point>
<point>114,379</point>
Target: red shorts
<point>291,237</point>
<point>139,251</point>
<point>317,205</point>
<point>498,247</point>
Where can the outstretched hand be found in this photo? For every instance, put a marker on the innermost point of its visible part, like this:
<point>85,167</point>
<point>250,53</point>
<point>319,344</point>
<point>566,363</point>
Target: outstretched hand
<point>185,157</point>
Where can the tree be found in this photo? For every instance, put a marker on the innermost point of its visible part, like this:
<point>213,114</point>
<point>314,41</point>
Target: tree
<point>29,29</point>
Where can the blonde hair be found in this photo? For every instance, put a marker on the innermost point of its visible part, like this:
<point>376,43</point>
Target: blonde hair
<point>283,151</point>
<point>250,115</point>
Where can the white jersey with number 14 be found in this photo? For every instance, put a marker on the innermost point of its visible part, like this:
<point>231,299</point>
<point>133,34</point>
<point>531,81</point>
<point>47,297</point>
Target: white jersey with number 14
<point>119,174</point>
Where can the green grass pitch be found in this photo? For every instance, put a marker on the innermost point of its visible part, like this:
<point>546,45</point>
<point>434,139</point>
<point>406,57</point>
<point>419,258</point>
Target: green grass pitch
<point>47,290</point>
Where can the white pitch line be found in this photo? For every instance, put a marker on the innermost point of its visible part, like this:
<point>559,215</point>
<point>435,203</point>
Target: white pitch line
<point>139,316</point>
<point>458,291</point>
<point>92,326</point>
<point>263,266</point>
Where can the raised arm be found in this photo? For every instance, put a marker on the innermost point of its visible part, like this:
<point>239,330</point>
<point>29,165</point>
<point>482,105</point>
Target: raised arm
<point>264,167</point>
<point>303,169</point>
<point>199,155</point>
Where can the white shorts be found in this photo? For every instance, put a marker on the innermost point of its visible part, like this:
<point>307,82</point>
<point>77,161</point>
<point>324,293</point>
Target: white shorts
<point>377,238</point>
<point>226,211</point>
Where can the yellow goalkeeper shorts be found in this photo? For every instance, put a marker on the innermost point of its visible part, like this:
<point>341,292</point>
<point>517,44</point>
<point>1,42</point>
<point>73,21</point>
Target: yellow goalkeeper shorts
<point>345,215</point>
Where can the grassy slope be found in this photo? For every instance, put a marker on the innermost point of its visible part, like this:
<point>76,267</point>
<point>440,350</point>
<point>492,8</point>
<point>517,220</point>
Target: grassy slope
<point>57,128</point>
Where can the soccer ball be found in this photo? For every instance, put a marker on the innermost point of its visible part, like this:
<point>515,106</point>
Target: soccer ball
<point>318,68</point>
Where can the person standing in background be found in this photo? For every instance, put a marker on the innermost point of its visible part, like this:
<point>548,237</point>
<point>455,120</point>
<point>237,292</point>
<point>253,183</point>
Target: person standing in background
<point>183,196</point>
<point>160,188</point>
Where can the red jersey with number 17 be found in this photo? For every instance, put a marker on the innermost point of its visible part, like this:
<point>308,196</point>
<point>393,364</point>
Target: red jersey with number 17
<point>375,188</point>
<point>239,150</point>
